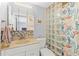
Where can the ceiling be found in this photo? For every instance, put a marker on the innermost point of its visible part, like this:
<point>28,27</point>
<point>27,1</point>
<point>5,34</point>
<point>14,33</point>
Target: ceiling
<point>41,4</point>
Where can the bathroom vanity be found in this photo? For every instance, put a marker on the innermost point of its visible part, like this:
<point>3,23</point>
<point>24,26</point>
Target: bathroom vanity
<point>30,48</point>
<point>18,28</point>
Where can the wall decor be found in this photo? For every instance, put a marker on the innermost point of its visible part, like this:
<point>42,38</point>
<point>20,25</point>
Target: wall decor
<point>65,26</point>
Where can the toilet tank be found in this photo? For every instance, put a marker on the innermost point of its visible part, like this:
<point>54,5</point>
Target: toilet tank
<point>42,42</point>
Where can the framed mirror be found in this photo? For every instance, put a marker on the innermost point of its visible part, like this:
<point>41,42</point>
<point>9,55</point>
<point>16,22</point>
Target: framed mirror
<point>21,23</point>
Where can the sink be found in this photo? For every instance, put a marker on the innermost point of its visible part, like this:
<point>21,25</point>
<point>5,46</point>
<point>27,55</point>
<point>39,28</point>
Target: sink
<point>20,42</point>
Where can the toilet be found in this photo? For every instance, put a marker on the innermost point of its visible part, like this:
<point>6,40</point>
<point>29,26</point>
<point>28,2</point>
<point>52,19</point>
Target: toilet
<point>44,51</point>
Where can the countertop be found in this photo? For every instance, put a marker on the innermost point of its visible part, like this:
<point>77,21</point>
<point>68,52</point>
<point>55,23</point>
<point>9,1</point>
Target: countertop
<point>19,43</point>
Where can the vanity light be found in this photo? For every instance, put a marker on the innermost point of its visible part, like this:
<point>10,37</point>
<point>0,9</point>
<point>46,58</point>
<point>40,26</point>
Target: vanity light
<point>0,3</point>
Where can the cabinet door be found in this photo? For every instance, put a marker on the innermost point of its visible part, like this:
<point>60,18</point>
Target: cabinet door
<point>16,54</point>
<point>14,51</point>
<point>29,50</point>
<point>19,54</point>
<point>34,51</point>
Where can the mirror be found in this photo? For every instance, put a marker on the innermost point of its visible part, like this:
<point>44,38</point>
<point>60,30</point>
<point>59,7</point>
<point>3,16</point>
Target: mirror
<point>22,23</point>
